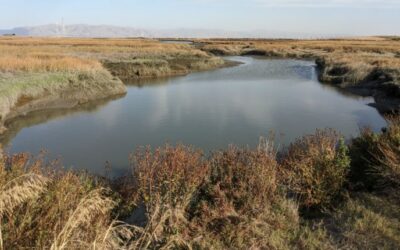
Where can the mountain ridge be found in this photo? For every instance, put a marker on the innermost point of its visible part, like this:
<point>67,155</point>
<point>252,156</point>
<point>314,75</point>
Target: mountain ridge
<point>91,31</point>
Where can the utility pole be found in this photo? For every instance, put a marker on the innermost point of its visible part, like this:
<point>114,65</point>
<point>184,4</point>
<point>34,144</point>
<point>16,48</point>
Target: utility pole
<point>62,27</point>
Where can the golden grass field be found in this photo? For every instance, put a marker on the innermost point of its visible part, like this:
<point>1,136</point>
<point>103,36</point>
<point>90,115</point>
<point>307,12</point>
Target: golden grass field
<point>62,54</point>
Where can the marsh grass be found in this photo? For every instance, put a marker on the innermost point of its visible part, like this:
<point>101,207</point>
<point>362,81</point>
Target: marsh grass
<point>342,61</point>
<point>65,72</point>
<point>238,198</point>
<point>376,163</point>
<point>47,208</point>
<point>367,221</point>
<point>73,54</point>
<point>38,63</point>
<point>21,90</point>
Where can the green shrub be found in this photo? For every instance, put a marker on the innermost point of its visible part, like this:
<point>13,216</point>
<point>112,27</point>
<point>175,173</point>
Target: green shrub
<point>361,153</point>
<point>315,167</point>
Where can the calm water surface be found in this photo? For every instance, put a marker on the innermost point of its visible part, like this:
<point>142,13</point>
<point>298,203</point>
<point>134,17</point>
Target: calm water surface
<point>208,110</point>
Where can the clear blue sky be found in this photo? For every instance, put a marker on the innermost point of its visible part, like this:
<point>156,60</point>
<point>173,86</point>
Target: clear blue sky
<point>357,17</point>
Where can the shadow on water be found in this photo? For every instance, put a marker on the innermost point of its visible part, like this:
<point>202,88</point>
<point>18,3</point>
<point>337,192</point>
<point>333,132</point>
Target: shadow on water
<point>149,82</point>
<point>39,117</point>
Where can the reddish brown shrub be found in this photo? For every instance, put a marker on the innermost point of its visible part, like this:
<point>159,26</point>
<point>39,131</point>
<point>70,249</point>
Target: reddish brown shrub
<point>315,167</point>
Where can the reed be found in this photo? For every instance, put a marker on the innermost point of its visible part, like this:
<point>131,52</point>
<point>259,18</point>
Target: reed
<point>238,198</point>
<point>344,61</point>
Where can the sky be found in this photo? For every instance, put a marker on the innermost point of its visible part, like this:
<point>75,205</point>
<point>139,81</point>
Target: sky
<point>319,17</point>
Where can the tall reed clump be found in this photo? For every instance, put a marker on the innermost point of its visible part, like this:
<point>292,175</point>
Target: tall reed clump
<point>315,168</point>
<point>240,204</point>
<point>42,208</point>
<point>233,199</point>
<point>16,189</point>
<point>376,157</point>
<point>167,180</point>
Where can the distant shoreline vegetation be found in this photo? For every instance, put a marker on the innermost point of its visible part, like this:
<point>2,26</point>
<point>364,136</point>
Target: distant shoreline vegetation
<point>39,73</point>
<point>317,193</point>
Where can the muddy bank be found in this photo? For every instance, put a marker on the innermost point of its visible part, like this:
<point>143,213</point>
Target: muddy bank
<point>29,93</point>
<point>70,91</point>
<point>65,73</point>
<point>16,124</point>
<point>378,83</point>
<point>140,69</point>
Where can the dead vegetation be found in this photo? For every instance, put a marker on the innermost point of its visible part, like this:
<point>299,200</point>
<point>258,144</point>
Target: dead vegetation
<point>239,198</point>
<point>73,54</point>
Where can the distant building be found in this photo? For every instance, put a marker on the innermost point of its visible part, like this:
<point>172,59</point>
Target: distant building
<point>13,34</point>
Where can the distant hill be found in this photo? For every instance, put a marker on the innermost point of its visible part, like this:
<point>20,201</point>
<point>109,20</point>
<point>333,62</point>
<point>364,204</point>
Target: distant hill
<point>83,30</point>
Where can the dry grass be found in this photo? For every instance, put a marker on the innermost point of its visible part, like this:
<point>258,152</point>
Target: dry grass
<point>40,63</point>
<point>234,199</point>
<point>367,221</point>
<point>56,54</point>
<point>63,72</point>
<point>356,59</point>
<point>44,208</point>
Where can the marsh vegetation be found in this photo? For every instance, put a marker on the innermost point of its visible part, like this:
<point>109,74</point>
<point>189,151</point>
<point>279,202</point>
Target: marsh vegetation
<point>307,196</point>
<point>208,110</point>
<point>318,192</point>
<point>41,73</point>
<point>367,66</point>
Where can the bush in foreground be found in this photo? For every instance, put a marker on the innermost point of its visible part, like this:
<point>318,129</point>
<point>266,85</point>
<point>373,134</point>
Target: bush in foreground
<point>376,158</point>
<point>315,168</point>
<point>41,208</point>
<point>234,199</point>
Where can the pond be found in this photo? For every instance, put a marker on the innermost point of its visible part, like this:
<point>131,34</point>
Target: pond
<point>208,110</point>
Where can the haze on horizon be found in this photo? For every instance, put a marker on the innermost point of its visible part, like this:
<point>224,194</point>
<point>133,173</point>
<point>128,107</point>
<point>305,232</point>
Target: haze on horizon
<point>317,17</point>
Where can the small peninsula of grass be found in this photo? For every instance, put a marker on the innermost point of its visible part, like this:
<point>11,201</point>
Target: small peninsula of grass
<point>43,73</point>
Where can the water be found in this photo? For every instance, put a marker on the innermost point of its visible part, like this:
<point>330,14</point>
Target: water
<point>208,110</point>
<point>177,42</point>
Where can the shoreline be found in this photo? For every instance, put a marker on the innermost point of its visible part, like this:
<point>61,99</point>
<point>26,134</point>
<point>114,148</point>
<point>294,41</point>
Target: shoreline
<point>75,98</point>
<point>377,85</point>
<point>110,64</point>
